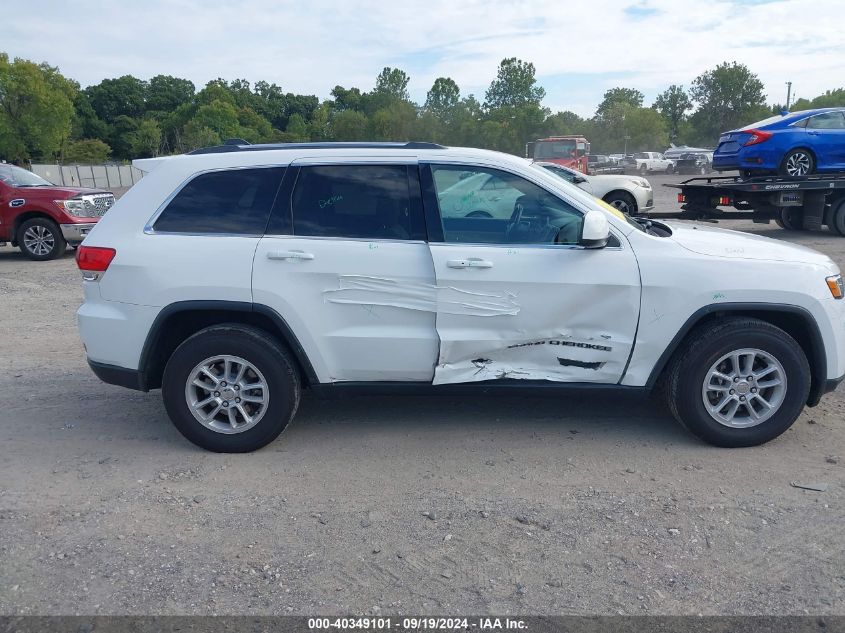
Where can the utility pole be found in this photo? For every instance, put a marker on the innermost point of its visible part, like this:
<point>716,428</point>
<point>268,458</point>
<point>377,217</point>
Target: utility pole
<point>788,93</point>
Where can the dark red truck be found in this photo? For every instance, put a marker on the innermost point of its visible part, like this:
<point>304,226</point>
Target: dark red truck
<point>42,218</point>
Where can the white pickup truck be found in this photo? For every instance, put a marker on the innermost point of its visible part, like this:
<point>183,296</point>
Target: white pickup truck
<point>653,161</point>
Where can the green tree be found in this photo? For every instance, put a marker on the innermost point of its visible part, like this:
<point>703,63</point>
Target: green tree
<point>36,109</point>
<point>319,128</point>
<point>728,96</point>
<point>346,99</point>
<point>166,93</point>
<point>393,83</point>
<point>86,123</point>
<point>87,151</point>
<point>350,125</point>
<point>564,123</point>
<point>123,96</point>
<point>515,85</point>
<point>297,128</point>
<point>442,98</point>
<point>122,136</point>
<point>145,140</point>
<point>673,104</point>
<point>619,96</point>
<point>645,128</point>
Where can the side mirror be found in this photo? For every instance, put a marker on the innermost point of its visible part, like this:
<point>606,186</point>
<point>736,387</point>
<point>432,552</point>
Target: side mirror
<point>596,230</point>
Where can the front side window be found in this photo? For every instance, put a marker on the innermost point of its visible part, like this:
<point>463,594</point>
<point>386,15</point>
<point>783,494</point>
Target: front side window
<point>233,201</point>
<point>17,177</point>
<point>555,149</point>
<point>517,212</point>
<point>827,121</point>
<point>564,173</point>
<point>357,201</point>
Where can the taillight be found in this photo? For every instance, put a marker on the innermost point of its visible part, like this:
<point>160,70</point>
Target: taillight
<point>757,136</point>
<point>94,259</point>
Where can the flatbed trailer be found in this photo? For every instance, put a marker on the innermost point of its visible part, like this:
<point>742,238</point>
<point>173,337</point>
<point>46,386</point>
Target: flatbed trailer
<point>793,202</point>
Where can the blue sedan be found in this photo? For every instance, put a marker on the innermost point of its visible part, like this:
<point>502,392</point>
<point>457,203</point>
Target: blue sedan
<point>794,144</point>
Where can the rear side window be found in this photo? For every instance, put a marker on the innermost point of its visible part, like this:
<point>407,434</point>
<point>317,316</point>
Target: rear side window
<point>235,201</point>
<point>827,121</point>
<point>358,201</point>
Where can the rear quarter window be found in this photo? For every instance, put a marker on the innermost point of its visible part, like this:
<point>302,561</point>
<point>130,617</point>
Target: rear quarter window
<point>233,201</point>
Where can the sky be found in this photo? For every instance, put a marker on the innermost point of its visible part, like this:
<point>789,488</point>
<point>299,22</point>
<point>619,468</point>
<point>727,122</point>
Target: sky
<point>579,48</point>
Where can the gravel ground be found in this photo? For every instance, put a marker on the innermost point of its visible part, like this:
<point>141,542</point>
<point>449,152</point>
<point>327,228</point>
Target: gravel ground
<point>397,505</point>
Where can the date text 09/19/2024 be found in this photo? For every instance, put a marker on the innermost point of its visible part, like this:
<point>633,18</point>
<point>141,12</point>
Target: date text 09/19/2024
<point>418,623</point>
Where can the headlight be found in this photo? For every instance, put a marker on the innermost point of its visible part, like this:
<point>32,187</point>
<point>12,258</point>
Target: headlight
<point>76,208</point>
<point>835,284</point>
<point>641,182</point>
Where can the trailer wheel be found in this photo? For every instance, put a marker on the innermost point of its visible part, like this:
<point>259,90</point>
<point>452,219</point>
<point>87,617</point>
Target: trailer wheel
<point>837,219</point>
<point>790,218</point>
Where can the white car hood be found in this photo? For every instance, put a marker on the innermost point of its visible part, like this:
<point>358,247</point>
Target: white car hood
<point>708,240</point>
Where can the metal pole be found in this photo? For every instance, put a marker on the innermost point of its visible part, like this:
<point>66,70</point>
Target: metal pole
<point>788,93</point>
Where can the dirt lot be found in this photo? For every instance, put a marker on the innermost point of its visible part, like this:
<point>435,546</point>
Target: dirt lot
<point>537,505</point>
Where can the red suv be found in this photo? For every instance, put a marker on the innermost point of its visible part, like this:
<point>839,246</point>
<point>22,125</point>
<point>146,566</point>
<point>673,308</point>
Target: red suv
<point>42,218</point>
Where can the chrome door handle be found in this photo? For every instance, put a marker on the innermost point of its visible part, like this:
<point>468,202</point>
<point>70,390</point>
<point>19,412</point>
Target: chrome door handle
<point>289,255</point>
<point>472,262</point>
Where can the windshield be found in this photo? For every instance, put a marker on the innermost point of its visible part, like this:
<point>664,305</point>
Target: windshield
<point>555,149</point>
<point>17,177</point>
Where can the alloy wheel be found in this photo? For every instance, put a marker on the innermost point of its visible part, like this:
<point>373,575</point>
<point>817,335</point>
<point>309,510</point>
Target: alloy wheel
<point>744,388</point>
<point>227,394</point>
<point>798,164</point>
<point>39,240</point>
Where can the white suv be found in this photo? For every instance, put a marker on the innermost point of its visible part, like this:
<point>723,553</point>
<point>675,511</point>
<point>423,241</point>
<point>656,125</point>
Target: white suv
<point>237,276</point>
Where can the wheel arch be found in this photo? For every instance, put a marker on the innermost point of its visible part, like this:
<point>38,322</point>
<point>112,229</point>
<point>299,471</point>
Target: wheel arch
<point>794,320</point>
<point>177,321</point>
<point>804,146</point>
<point>29,214</point>
<point>624,192</point>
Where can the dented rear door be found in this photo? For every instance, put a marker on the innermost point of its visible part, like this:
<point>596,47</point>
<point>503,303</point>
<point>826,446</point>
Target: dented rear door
<point>528,308</point>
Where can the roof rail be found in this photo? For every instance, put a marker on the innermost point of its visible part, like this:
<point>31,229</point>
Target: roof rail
<point>239,145</point>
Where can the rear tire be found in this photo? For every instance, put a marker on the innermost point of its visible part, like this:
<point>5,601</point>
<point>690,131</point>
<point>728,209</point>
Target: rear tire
<point>41,239</point>
<point>270,403</point>
<point>695,386</point>
<point>643,170</point>
<point>837,219</point>
<point>790,218</point>
<point>798,162</point>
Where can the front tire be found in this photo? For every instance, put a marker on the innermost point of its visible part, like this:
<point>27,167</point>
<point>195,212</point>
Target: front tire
<point>643,170</point>
<point>739,382</point>
<point>231,388</point>
<point>623,201</point>
<point>798,162</point>
<point>40,239</point>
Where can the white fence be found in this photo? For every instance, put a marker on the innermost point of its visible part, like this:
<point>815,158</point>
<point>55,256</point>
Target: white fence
<point>96,176</point>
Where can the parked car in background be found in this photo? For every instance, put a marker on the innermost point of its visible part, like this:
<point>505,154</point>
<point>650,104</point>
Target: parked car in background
<point>601,164</point>
<point>645,162</point>
<point>693,163</point>
<point>41,218</point>
<point>677,150</point>
<point>632,195</point>
<point>791,144</point>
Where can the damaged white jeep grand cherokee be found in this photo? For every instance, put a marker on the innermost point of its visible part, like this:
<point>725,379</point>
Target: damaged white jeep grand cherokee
<point>236,276</point>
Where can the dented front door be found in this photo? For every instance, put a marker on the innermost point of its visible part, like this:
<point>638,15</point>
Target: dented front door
<point>572,313</point>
